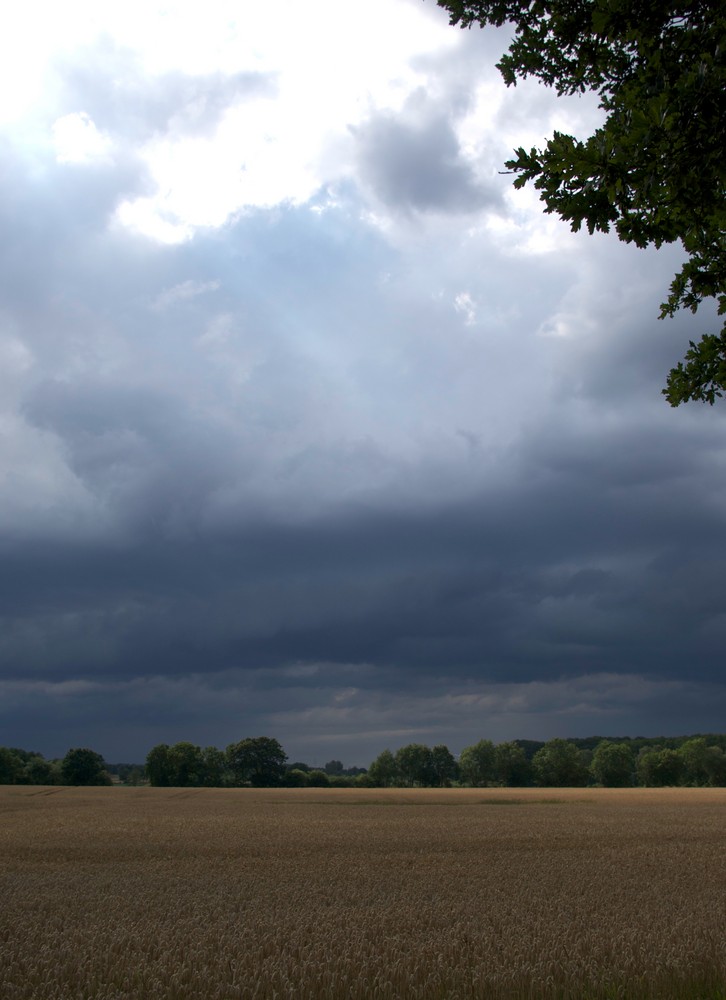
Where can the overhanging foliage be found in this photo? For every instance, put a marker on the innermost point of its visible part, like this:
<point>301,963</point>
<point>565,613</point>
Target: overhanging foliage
<point>655,172</point>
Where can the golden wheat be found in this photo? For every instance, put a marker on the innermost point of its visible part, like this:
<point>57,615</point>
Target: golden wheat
<point>314,893</point>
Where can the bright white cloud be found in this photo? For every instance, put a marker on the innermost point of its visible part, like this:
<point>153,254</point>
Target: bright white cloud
<point>334,67</point>
<point>266,149</point>
<point>77,140</point>
<point>332,63</point>
<point>466,307</point>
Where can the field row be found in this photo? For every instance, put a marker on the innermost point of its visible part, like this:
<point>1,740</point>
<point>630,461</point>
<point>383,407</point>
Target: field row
<point>226,894</point>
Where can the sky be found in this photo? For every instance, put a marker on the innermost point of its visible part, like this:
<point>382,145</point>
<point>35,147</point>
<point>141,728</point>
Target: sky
<point>311,426</point>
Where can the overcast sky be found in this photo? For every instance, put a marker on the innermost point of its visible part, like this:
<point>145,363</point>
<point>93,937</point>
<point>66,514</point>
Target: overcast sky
<point>310,425</point>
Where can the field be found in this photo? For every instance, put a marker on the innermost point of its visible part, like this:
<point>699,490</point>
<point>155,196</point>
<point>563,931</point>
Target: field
<point>110,893</point>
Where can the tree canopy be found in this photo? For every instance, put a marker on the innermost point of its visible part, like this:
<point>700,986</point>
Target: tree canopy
<point>476,763</point>
<point>655,172</point>
<point>258,761</point>
<point>82,766</point>
<point>559,764</point>
<point>612,764</point>
<point>383,770</point>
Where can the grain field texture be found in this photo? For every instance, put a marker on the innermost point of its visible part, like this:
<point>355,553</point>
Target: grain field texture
<point>235,894</point>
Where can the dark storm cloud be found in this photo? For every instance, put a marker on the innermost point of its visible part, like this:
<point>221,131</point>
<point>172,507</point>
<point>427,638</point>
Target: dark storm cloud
<point>135,449</point>
<point>287,478</point>
<point>515,594</point>
<point>595,552</point>
<point>554,576</point>
<point>415,163</point>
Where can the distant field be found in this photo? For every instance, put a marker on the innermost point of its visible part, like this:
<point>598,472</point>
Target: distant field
<point>179,894</point>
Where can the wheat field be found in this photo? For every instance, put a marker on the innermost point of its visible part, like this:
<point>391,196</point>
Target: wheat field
<point>220,894</point>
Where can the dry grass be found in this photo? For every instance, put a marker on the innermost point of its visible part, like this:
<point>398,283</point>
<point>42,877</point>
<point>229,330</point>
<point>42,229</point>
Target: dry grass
<point>111,893</point>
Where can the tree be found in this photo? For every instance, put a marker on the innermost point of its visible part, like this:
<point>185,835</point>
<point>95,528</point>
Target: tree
<point>11,767</point>
<point>715,764</point>
<point>559,764</point>
<point>695,760</point>
<point>295,778</point>
<point>158,766</point>
<point>317,779</point>
<point>334,767</point>
<point>511,767</point>
<point>383,771</point>
<point>342,780</point>
<point>476,763</point>
<point>655,171</point>
<point>258,761</point>
<point>213,767</point>
<point>39,771</point>
<point>444,765</point>
<point>612,764</point>
<point>414,764</point>
<point>363,780</point>
<point>133,776</point>
<point>185,766</point>
<point>658,768</point>
<point>82,766</point>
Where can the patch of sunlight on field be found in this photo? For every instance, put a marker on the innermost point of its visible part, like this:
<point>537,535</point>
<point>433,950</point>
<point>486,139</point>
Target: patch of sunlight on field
<point>234,894</point>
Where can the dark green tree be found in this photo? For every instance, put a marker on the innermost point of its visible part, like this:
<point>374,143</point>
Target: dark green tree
<point>363,780</point>
<point>159,769</point>
<point>295,778</point>
<point>342,780</point>
<point>659,768</point>
<point>11,767</point>
<point>258,761</point>
<point>414,765</point>
<point>715,764</point>
<point>213,767</point>
<point>444,765</point>
<point>694,757</point>
<point>655,171</point>
<point>317,779</point>
<point>39,771</point>
<point>559,764</point>
<point>383,771</point>
<point>511,767</point>
<point>82,766</point>
<point>186,768</point>
<point>476,763</point>
<point>612,765</point>
<point>334,767</point>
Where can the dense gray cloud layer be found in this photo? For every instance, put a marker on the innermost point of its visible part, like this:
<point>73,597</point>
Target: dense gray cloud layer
<point>346,483</point>
<point>418,166</point>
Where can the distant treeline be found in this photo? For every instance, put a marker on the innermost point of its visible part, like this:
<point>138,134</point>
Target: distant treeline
<point>80,766</point>
<point>596,761</point>
<point>612,762</point>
